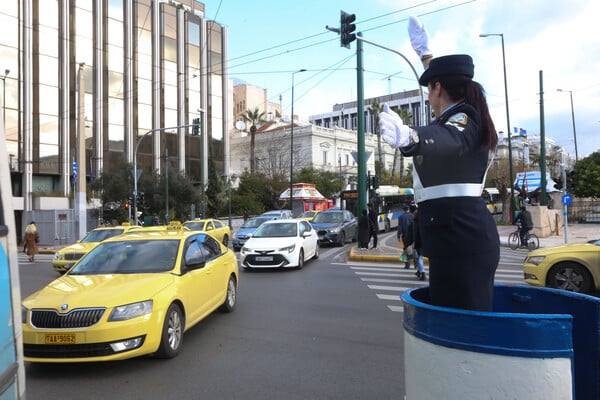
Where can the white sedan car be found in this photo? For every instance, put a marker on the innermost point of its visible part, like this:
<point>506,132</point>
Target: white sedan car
<point>280,243</point>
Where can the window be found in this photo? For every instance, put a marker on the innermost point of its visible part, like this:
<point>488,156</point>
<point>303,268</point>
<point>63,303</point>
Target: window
<point>324,157</point>
<point>211,246</point>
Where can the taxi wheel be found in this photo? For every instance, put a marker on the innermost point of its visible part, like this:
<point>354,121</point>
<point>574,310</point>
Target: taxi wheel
<point>225,240</point>
<point>172,333</point>
<point>230,298</point>
<point>570,276</point>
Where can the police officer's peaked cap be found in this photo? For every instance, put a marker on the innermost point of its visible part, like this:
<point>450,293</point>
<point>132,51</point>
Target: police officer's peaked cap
<point>458,64</point>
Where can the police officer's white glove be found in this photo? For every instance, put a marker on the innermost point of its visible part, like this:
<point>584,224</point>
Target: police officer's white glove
<point>392,129</point>
<point>419,39</point>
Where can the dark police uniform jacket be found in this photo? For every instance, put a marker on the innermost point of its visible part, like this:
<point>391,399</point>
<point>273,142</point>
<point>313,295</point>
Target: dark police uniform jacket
<point>448,174</point>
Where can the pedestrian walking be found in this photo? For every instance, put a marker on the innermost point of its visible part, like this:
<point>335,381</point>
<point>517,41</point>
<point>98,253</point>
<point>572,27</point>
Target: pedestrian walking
<point>404,221</point>
<point>30,240</point>
<point>363,230</point>
<point>451,157</point>
<point>374,225</point>
<point>413,247</point>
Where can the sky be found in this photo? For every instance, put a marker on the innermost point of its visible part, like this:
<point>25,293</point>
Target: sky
<point>269,40</point>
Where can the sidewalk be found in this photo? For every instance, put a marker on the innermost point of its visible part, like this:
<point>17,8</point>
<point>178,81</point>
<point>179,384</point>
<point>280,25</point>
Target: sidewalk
<point>577,233</point>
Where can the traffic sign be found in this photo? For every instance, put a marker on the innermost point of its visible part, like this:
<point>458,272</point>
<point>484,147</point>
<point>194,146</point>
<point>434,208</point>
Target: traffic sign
<point>566,199</point>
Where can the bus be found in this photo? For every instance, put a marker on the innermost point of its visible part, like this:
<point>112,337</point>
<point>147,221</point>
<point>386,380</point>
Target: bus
<point>387,200</point>
<point>12,372</point>
<point>492,199</point>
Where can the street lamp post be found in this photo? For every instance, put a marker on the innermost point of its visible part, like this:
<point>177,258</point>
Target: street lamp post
<point>510,166</point>
<point>292,145</point>
<point>6,72</point>
<point>573,119</point>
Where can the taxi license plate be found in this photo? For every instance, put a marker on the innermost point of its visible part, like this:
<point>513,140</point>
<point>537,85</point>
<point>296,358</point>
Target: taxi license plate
<point>264,258</point>
<point>60,339</point>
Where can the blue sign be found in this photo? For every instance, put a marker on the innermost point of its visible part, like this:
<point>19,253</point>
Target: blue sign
<point>566,199</point>
<point>74,172</point>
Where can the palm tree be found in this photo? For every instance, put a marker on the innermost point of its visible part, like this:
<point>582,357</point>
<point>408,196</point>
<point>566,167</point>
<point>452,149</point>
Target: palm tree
<point>254,117</point>
<point>375,109</point>
<point>406,117</point>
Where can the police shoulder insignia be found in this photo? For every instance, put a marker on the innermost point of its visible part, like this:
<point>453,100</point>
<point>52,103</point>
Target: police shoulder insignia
<point>460,118</point>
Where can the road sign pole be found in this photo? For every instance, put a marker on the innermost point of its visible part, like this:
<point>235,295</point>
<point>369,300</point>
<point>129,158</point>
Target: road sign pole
<point>566,200</point>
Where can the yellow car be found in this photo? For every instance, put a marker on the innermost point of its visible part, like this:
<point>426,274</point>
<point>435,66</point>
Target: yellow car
<point>574,267</point>
<point>308,215</point>
<point>70,254</point>
<point>215,227</point>
<point>132,295</point>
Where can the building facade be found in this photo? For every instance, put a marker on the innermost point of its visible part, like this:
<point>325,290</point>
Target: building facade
<point>144,67</point>
<point>324,149</point>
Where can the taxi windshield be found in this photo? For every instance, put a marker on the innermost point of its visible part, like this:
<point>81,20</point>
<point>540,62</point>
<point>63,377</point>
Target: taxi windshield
<point>129,257</point>
<point>100,235</point>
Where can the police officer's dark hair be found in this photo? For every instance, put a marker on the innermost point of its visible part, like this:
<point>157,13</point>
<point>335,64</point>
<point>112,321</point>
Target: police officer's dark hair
<point>461,86</point>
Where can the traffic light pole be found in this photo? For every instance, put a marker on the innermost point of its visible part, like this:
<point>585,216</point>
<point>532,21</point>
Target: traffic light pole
<point>362,190</point>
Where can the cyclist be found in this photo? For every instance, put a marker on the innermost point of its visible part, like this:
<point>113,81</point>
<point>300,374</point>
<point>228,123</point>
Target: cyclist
<point>524,218</point>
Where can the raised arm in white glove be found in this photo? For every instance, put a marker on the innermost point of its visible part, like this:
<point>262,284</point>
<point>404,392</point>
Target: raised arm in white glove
<point>419,39</point>
<point>392,129</point>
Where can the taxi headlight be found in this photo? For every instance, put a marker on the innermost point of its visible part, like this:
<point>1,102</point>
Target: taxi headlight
<point>58,256</point>
<point>24,312</point>
<point>128,311</point>
<point>535,260</point>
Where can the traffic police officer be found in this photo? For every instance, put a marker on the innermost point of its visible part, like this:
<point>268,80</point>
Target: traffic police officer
<point>450,158</point>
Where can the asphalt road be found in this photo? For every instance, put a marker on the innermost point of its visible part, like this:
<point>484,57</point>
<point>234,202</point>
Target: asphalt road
<point>332,330</point>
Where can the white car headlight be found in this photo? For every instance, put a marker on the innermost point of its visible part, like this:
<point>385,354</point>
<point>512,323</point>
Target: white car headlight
<point>289,249</point>
<point>535,260</point>
<point>128,311</point>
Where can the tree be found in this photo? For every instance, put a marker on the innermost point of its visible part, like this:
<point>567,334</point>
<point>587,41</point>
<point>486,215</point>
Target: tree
<point>327,183</point>
<point>587,176</point>
<point>407,118</point>
<point>375,109</point>
<point>254,117</point>
<point>261,193</point>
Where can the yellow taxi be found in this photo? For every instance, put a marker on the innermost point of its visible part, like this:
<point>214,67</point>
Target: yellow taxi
<point>215,227</point>
<point>308,215</point>
<point>574,267</point>
<point>131,295</point>
<point>70,254</point>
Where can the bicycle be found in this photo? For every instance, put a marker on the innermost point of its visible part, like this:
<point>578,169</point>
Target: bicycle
<point>514,240</point>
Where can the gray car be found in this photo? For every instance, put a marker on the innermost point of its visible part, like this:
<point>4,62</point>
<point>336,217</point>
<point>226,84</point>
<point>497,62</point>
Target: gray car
<point>335,226</point>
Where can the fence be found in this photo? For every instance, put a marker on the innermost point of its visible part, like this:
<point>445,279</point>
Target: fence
<point>58,227</point>
<point>584,211</point>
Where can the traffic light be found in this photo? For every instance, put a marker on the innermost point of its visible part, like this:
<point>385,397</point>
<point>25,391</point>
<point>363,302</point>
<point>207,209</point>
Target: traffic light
<point>375,182</point>
<point>559,184</point>
<point>570,180</point>
<point>347,29</point>
<point>126,205</point>
<point>196,126</point>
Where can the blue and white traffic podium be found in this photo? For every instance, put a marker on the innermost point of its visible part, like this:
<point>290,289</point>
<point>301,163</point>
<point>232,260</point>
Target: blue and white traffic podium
<point>536,344</point>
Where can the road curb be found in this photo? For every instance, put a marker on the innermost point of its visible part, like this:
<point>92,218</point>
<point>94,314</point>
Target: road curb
<point>365,256</point>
